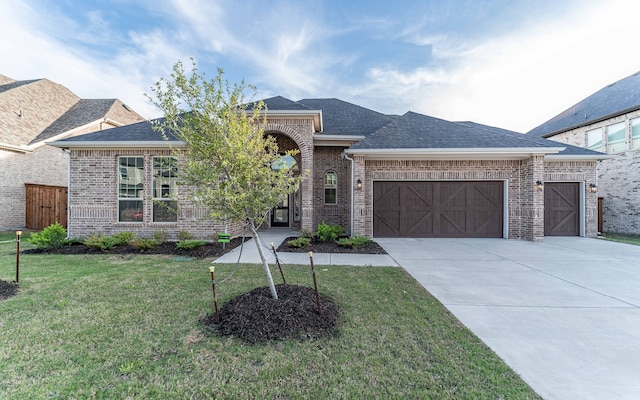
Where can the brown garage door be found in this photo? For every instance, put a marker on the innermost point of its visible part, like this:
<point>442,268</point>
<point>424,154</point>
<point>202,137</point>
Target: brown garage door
<point>437,209</point>
<point>562,209</point>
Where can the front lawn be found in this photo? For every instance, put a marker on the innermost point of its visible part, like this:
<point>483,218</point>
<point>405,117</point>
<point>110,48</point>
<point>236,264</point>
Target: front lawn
<point>623,238</point>
<point>127,326</point>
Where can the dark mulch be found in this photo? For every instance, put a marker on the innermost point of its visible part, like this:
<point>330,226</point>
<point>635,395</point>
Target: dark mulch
<point>208,250</point>
<point>7,289</point>
<point>256,317</point>
<point>330,247</point>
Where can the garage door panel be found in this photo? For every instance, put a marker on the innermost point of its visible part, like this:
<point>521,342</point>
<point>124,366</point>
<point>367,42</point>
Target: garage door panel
<point>562,209</point>
<point>438,209</point>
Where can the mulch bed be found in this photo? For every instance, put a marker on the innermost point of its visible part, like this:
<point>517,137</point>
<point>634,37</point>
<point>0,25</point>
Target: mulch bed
<point>255,317</point>
<point>317,246</point>
<point>208,250</point>
<point>8,289</point>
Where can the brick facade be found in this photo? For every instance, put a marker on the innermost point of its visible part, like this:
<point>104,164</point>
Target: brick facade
<point>617,178</point>
<point>93,199</point>
<point>525,204</point>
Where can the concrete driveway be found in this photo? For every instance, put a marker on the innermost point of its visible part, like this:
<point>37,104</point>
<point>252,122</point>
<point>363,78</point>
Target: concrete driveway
<point>564,314</point>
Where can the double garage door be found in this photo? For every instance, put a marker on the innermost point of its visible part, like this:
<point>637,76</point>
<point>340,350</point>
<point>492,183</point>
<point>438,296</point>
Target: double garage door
<point>463,209</point>
<point>438,209</point>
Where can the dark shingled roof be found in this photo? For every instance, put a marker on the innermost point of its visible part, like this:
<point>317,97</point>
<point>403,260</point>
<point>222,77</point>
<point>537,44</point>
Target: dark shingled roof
<point>138,132</point>
<point>12,85</point>
<point>343,118</point>
<point>280,103</point>
<point>416,131</point>
<point>618,98</point>
<point>83,112</point>
<point>569,149</point>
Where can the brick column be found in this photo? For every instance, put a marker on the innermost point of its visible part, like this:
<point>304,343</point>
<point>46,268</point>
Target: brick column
<point>533,199</point>
<point>359,198</point>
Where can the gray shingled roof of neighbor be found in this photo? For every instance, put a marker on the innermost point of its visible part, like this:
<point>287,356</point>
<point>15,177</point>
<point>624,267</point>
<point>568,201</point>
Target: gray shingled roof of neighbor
<point>417,131</point>
<point>83,112</point>
<point>15,84</point>
<point>617,98</point>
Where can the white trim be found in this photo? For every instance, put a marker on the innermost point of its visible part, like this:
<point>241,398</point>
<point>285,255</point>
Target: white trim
<point>155,144</point>
<point>583,209</point>
<point>505,209</point>
<point>455,153</point>
<point>322,139</point>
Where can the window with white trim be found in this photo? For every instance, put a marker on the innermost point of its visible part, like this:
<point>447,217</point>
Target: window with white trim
<point>164,189</point>
<point>330,188</point>
<point>594,139</point>
<point>635,133</point>
<point>616,138</point>
<point>130,189</point>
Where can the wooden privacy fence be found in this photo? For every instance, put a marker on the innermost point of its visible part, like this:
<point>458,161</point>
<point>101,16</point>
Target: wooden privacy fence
<point>46,205</point>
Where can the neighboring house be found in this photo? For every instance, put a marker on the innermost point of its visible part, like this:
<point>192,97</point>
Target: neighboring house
<point>376,175</point>
<point>608,121</point>
<point>33,174</point>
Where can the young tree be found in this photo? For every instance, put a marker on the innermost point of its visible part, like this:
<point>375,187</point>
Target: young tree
<point>228,160</point>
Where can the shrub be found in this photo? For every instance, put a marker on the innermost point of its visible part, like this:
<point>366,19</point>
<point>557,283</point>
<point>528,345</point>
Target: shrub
<point>144,244</point>
<point>299,242</point>
<point>354,242</point>
<point>52,237</point>
<point>101,242</point>
<point>124,237</point>
<point>329,233</point>
<point>308,234</point>
<point>160,236</point>
<point>184,235</point>
<point>190,244</point>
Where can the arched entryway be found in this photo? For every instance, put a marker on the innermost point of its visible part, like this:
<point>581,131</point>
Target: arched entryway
<point>293,211</point>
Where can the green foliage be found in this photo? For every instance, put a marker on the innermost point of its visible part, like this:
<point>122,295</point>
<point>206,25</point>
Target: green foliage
<point>354,242</point>
<point>228,158</point>
<point>190,244</point>
<point>160,236</point>
<point>101,242</point>
<point>329,233</point>
<point>51,237</point>
<point>299,242</point>
<point>144,244</point>
<point>124,237</point>
<point>308,233</point>
<point>184,235</point>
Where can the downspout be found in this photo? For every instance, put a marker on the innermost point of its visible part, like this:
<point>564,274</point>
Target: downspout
<point>351,213</point>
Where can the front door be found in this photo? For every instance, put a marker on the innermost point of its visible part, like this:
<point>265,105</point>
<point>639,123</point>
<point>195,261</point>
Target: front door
<point>280,214</point>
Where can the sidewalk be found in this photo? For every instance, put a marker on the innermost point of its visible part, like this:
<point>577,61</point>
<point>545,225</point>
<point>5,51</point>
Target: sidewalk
<point>277,236</point>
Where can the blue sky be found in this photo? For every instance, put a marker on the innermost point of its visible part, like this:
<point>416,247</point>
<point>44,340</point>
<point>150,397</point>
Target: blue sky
<point>510,63</point>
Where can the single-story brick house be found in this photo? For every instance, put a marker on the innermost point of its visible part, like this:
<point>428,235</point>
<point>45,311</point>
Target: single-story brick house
<point>376,175</point>
<point>33,176</point>
<point>608,121</point>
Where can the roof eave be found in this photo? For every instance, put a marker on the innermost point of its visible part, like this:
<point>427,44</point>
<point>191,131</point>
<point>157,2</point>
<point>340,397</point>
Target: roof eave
<point>456,153</point>
<point>593,121</point>
<point>335,140</point>
<point>579,157</point>
<point>155,144</point>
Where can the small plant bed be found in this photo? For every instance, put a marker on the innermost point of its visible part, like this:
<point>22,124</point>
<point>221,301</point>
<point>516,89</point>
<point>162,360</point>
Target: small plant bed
<point>318,246</point>
<point>7,289</point>
<point>169,248</point>
<point>256,317</point>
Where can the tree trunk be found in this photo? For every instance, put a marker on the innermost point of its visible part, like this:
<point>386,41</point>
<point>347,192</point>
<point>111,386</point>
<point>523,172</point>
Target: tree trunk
<point>265,266</point>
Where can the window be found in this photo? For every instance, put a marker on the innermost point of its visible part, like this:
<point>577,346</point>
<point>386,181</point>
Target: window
<point>635,133</point>
<point>616,138</point>
<point>330,188</point>
<point>130,189</point>
<point>594,139</point>
<point>164,184</point>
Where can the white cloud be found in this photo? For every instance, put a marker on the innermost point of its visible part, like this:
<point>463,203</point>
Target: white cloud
<point>520,80</point>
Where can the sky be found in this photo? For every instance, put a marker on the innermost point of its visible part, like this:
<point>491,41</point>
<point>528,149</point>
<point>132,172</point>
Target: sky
<point>512,64</point>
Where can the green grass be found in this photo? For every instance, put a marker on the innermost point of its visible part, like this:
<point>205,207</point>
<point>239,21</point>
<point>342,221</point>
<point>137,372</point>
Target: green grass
<point>127,327</point>
<point>622,238</point>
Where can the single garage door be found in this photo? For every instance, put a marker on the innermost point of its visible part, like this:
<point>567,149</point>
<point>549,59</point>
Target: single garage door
<point>562,209</point>
<point>438,209</point>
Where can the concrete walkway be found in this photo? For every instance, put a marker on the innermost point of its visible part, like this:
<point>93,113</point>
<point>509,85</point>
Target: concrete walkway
<point>277,236</point>
<point>564,314</point>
